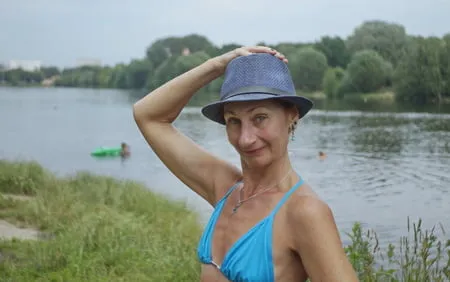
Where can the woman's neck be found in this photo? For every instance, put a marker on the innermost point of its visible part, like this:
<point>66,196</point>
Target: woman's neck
<point>279,176</point>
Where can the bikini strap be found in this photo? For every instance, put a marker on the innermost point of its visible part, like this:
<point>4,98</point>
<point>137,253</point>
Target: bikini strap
<point>287,195</point>
<point>229,192</point>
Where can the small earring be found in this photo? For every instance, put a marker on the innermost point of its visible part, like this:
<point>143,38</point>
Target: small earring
<point>292,130</point>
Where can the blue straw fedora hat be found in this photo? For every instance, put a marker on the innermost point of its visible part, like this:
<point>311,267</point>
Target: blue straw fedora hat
<point>255,77</point>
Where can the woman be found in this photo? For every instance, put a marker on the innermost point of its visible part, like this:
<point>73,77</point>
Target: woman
<point>267,225</point>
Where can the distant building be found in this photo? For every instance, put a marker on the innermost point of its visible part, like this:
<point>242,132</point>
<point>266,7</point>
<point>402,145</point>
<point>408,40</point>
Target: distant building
<point>186,51</point>
<point>49,81</point>
<point>89,62</point>
<point>27,65</point>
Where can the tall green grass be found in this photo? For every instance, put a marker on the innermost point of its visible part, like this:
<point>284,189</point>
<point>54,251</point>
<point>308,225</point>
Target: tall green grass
<point>98,228</point>
<point>418,256</point>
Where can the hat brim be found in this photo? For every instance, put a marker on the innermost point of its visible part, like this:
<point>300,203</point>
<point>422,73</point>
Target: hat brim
<point>214,111</point>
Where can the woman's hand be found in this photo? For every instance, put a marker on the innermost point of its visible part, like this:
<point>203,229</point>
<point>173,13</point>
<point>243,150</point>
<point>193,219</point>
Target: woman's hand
<point>223,60</point>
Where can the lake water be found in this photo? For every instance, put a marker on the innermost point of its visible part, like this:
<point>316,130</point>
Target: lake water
<point>381,167</point>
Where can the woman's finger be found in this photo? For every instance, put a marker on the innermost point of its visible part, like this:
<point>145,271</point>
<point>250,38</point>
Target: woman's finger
<point>244,51</point>
<point>281,57</point>
<point>262,49</point>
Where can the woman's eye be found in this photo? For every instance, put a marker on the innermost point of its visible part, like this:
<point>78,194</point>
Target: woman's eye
<point>260,118</point>
<point>232,121</point>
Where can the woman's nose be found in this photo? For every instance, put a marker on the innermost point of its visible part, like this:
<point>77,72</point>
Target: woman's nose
<point>247,137</point>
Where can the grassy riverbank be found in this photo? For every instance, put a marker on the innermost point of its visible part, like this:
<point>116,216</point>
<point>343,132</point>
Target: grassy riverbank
<point>380,96</point>
<point>97,228</point>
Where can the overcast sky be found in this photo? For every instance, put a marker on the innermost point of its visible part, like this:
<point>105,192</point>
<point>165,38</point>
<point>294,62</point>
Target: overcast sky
<point>57,32</point>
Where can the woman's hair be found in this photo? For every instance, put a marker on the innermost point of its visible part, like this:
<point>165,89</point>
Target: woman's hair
<point>288,105</point>
<point>285,104</point>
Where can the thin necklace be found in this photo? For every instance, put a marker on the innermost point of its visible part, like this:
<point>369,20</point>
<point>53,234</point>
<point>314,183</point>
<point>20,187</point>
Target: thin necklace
<point>240,202</point>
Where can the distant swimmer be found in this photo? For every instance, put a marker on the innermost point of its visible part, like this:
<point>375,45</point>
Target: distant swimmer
<point>125,150</point>
<point>322,156</point>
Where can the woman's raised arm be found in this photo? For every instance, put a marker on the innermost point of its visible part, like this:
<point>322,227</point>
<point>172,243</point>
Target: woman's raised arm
<point>154,114</point>
<point>204,173</point>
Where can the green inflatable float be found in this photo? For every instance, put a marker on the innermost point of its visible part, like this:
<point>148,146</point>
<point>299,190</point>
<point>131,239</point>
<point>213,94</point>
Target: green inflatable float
<point>106,152</point>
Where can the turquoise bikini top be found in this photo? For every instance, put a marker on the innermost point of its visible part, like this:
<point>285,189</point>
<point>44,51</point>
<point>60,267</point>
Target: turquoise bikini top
<point>250,257</point>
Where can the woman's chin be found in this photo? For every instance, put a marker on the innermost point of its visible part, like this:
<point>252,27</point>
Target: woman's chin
<point>256,161</point>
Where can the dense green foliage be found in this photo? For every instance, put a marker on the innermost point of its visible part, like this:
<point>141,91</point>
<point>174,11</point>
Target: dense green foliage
<point>377,55</point>
<point>368,71</point>
<point>97,228</point>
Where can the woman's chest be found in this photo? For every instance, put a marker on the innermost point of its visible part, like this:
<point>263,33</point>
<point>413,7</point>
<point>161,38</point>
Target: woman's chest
<point>244,229</point>
<point>254,246</point>
<point>285,268</point>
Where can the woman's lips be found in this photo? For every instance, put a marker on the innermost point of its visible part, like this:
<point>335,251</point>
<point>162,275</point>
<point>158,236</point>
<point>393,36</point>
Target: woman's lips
<point>253,152</point>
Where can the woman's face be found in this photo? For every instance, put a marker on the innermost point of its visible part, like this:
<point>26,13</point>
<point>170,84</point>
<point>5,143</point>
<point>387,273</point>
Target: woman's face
<point>259,130</point>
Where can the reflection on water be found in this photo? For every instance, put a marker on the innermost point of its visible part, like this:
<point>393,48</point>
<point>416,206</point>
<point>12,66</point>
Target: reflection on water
<point>380,167</point>
<point>378,106</point>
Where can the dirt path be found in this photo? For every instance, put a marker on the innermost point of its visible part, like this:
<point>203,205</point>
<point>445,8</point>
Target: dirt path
<point>10,231</point>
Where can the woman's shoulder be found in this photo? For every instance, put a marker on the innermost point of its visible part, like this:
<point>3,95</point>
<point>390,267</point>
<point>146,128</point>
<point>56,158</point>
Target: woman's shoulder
<point>307,209</point>
<point>314,236</point>
<point>308,218</point>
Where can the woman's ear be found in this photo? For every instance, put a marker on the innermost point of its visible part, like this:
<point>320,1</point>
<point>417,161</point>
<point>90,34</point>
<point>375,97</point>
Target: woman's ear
<point>293,114</point>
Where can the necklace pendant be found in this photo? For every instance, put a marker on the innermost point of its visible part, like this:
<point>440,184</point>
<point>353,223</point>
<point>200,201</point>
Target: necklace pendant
<point>236,207</point>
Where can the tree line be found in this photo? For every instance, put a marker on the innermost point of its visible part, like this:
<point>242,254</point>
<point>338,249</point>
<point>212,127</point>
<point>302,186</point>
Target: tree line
<point>376,56</point>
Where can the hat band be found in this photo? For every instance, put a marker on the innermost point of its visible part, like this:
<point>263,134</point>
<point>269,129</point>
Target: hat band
<point>256,89</point>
